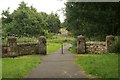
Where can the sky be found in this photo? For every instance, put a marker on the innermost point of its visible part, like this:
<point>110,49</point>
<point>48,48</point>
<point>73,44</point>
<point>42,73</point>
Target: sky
<point>47,6</point>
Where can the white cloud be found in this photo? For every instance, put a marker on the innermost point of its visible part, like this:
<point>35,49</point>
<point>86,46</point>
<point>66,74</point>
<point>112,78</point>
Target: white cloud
<point>47,6</point>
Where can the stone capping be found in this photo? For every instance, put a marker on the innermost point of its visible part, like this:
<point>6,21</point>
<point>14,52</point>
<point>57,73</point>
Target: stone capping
<point>12,39</point>
<point>80,38</point>
<point>94,46</point>
<point>95,42</point>
<point>110,37</point>
<point>13,48</point>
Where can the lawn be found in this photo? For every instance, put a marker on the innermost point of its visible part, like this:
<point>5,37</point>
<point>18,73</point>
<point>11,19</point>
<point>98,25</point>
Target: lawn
<point>20,66</point>
<point>0,68</point>
<point>52,47</point>
<point>99,65</point>
<point>55,43</point>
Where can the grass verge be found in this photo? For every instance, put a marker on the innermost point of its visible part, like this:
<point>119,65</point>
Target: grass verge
<point>99,65</point>
<point>20,66</point>
<point>0,68</point>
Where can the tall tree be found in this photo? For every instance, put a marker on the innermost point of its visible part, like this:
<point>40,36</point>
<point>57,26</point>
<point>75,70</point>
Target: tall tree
<point>53,23</point>
<point>26,21</point>
<point>92,19</point>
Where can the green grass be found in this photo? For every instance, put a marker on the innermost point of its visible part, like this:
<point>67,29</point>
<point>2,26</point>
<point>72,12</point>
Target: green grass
<point>73,49</point>
<point>52,47</point>
<point>20,66</point>
<point>55,43</point>
<point>0,68</point>
<point>99,65</point>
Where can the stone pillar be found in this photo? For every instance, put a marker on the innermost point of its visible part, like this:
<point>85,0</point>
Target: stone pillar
<point>12,43</point>
<point>81,44</point>
<point>109,41</point>
<point>42,45</point>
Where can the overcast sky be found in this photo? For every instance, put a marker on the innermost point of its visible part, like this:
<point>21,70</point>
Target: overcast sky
<point>47,6</point>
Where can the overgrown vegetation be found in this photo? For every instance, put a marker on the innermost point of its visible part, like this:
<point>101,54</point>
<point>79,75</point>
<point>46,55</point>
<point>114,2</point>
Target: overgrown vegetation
<point>19,67</point>
<point>99,65</point>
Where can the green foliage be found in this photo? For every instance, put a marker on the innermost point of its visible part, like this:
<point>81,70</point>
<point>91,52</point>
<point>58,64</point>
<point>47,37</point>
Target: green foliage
<point>53,23</point>
<point>50,35</point>
<point>19,67</point>
<point>100,66</point>
<point>52,47</point>
<point>26,21</point>
<point>96,38</point>
<point>73,49</point>
<point>55,38</point>
<point>92,19</point>
<point>26,39</point>
<point>116,45</point>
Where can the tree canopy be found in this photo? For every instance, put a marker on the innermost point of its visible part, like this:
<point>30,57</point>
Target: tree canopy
<point>92,18</point>
<point>26,21</point>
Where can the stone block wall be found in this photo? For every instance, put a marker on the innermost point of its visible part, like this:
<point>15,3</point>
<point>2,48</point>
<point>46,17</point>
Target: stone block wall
<point>27,48</point>
<point>13,48</point>
<point>94,47</point>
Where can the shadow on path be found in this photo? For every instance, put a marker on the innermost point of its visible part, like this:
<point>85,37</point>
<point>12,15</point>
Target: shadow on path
<point>58,65</point>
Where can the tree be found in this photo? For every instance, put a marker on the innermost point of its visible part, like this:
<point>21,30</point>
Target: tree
<point>92,19</point>
<point>53,23</point>
<point>26,21</point>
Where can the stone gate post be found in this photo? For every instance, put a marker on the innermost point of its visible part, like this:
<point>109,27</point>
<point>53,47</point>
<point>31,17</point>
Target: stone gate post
<point>12,43</point>
<point>81,44</point>
<point>42,45</point>
<point>109,41</point>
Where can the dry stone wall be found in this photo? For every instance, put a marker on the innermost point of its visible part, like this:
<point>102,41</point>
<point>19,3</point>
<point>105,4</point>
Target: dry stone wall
<point>27,48</point>
<point>94,47</point>
<point>13,48</point>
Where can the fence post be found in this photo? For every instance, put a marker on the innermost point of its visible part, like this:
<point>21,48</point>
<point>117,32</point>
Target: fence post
<point>42,45</point>
<point>81,43</point>
<point>12,43</point>
<point>109,41</point>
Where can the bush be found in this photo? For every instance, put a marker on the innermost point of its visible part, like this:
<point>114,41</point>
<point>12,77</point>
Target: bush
<point>116,45</point>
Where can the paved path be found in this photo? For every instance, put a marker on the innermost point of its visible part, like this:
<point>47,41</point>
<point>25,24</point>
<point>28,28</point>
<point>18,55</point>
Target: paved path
<point>58,65</point>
